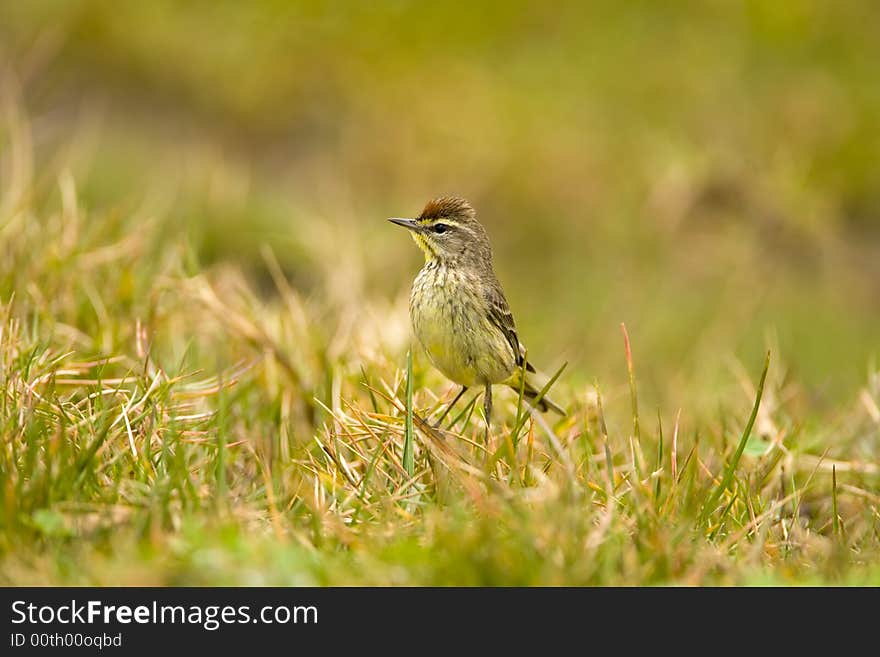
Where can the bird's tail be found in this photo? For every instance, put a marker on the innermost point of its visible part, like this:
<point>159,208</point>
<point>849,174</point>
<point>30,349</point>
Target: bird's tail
<point>534,384</point>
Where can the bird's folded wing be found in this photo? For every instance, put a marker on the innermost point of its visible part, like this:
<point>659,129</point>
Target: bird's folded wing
<point>501,317</point>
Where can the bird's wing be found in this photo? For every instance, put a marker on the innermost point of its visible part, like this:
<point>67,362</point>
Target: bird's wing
<point>501,317</point>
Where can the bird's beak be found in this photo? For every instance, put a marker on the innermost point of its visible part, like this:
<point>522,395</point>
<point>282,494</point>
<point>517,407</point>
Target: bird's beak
<point>406,223</point>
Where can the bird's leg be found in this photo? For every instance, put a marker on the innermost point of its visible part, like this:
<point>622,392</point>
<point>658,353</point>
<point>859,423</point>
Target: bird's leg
<point>451,404</point>
<point>487,409</point>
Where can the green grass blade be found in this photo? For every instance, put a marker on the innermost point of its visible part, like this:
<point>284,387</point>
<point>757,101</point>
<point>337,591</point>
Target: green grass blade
<point>835,518</point>
<point>369,390</point>
<point>467,410</point>
<point>222,440</point>
<point>603,430</point>
<point>537,400</point>
<point>520,411</point>
<point>408,461</point>
<point>659,455</point>
<point>731,467</point>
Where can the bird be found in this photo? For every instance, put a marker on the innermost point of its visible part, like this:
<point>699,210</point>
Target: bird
<point>458,309</point>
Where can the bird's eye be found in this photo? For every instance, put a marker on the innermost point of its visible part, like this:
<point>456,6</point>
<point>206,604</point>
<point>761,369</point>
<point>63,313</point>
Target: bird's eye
<point>440,228</point>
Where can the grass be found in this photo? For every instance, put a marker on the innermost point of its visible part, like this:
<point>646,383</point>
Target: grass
<point>131,454</point>
<point>206,368</point>
<point>730,471</point>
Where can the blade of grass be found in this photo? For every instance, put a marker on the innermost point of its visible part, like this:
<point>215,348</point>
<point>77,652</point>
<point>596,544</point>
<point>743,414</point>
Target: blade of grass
<point>220,463</point>
<point>408,461</point>
<point>737,455</point>
<point>467,410</point>
<point>369,390</point>
<point>835,518</point>
<point>659,455</point>
<point>603,430</point>
<point>632,384</point>
<point>527,470</point>
<point>520,412</point>
<point>536,402</point>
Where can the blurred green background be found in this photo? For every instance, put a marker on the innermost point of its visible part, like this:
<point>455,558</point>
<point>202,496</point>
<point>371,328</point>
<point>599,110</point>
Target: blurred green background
<point>704,171</point>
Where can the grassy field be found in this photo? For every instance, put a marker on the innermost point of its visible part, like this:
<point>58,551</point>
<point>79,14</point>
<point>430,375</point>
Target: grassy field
<point>204,336</point>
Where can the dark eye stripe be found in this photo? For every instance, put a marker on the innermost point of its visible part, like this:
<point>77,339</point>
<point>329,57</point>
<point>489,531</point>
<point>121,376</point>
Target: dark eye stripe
<point>440,228</point>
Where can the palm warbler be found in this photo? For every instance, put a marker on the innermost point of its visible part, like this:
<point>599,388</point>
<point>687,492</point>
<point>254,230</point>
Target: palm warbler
<point>458,309</point>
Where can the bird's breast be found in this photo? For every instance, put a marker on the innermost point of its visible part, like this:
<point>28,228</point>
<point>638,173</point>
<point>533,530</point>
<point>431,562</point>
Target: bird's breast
<point>450,319</point>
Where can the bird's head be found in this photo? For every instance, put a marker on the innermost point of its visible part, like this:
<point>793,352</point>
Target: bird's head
<point>447,229</point>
